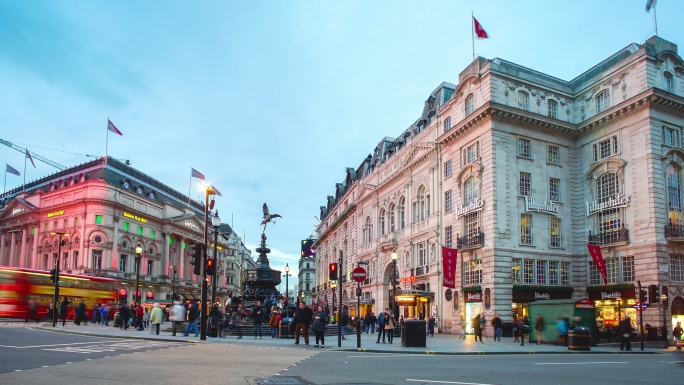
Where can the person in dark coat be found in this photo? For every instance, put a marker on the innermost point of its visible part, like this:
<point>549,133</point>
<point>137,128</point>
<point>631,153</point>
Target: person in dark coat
<point>125,314</point>
<point>625,332</point>
<point>257,314</point>
<point>477,327</point>
<point>63,307</point>
<point>497,324</point>
<point>320,321</point>
<point>431,326</point>
<point>302,319</point>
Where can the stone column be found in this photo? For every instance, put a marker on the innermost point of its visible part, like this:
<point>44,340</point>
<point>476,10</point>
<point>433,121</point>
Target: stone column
<point>34,252</point>
<point>84,238</point>
<point>12,258</point>
<point>179,259</point>
<point>114,262</point>
<point>3,260</point>
<point>23,253</point>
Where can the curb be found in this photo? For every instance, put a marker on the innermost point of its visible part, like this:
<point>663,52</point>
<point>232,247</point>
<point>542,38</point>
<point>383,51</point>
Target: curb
<point>443,353</point>
<point>62,331</point>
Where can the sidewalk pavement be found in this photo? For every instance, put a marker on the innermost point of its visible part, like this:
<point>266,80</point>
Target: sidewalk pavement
<point>449,344</point>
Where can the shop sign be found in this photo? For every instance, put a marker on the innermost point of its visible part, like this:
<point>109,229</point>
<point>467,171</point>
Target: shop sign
<point>614,202</point>
<point>473,296</point>
<point>410,279</point>
<point>406,300</point>
<point>191,225</point>
<point>533,295</point>
<point>149,294</point>
<point>547,207</point>
<point>612,294</point>
<point>135,217</point>
<point>18,210</point>
<point>472,206</point>
<point>55,213</point>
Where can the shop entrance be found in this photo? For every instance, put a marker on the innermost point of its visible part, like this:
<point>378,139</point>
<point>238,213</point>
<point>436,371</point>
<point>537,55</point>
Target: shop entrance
<point>677,312</point>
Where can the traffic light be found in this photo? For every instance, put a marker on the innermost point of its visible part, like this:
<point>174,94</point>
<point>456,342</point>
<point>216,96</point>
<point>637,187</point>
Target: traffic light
<point>332,272</point>
<point>643,296</point>
<point>307,249</point>
<point>664,295</point>
<point>195,254</point>
<point>653,294</point>
<point>53,276</point>
<point>211,268</point>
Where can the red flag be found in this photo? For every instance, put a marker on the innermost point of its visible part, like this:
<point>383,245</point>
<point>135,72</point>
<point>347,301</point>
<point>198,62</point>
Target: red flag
<point>196,174</point>
<point>28,155</point>
<point>595,252</point>
<point>111,127</point>
<point>479,31</point>
<point>449,258</point>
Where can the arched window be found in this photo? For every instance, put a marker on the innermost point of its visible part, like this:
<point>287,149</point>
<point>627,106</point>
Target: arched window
<point>674,193</point>
<point>523,100</point>
<point>447,124</point>
<point>368,231</point>
<point>381,222</point>
<point>391,217</point>
<point>421,207</point>
<point>470,189</point>
<point>609,220</point>
<point>469,104</point>
<point>602,101</point>
<point>552,109</point>
<point>402,213</point>
<point>668,82</point>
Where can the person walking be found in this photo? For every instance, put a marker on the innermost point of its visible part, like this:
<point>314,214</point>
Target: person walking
<point>515,329</point>
<point>320,321</point>
<point>81,314</point>
<point>302,318</point>
<point>139,313</point>
<point>477,327</point>
<point>539,327</point>
<point>193,313</point>
<point>625,332</point>
<point>156,317</point>
<point>257,315</point>
<point>389,327</point>
<point>463,329</point>
<point>214,319</point>
<point>104,313</point>
<point>146,319</point>
<point>497,325</point>
<point>431,326</point>
<point>63,307</point>
<point>381,326</point>
<point>523,329</point>
<point>273,321</point>
<point>562,331</point>
<point>372,321</point>
<point>124,313</point>
<point>677,333</point>
<point>177,316</point>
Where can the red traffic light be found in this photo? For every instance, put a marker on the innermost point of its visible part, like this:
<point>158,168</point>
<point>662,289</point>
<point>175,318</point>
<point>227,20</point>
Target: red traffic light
<point>332,271</point>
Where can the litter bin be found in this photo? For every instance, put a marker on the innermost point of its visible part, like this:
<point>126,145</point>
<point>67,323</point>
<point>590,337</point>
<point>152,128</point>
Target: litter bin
<point>284,328</point>
<point>117,319</point>
<point>579,338</point>
<point>413,334</point>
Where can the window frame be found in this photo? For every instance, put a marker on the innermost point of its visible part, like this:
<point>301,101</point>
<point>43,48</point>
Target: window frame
<point>526,238</point>
<point>553,154</point>
<point>602,99</point>
<point>523,100</point>
<point>552,109</point>
<point>469,104</point>
<point>525,184</point>
<point>524,148</point>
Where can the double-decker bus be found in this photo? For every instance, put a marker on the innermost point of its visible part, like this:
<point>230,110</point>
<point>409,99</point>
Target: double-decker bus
<point>20,289</point>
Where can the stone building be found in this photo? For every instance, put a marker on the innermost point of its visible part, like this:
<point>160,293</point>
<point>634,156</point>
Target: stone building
<point>519,171</point>
<point>105,209</point>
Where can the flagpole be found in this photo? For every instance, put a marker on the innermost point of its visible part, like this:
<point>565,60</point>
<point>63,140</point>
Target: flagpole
<point>4,186</point>
<point>189,187</point>
<point>472,31</point>
<point>23,188</point>
<point>107,143</point>
<point>655,18</point>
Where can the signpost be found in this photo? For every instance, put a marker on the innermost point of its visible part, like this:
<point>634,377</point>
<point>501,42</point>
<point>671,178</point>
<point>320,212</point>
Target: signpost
<point>359,275</point>
<point>640,306</point>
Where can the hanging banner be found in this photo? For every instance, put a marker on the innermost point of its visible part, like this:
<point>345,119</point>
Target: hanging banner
<point>449,257</point>
<point>595,252</point>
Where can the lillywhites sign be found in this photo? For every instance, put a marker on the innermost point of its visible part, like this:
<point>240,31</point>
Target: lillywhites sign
<point>472,206</point>
<point>55,213</point>
<point>616,201</point>
<point>538,295</point>
<point>611,295</point>
<point>135,217</point>
<point>544,207</point>
<point>191,225</point>
<point>18,211</point>
<point>473,296</point>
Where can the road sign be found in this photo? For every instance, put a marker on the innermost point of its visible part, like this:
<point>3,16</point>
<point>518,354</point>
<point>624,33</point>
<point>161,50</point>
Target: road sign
<point>640,306</point>
<point>359,274</point>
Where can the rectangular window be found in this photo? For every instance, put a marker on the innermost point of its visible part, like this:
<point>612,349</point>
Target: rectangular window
<point>65,260</point>
<point>670,137</point>
<point>473,272</point>
<point>541,272</point>
<point>448,234</point>
<point>553,272</point>
<point>123,262</point>
<point>75,221</point>
<point>528,272</point>
<point>553,155</point>
<point>677,267</point>
<point>523,100</point>
<point>628,273</point>
<point>526,229</point>
<point>75,259</point>
<point>140,230</point>
<point>565,273</point>
<point>613,270</point>
<point>152,234</point>
<point>33,230</point>
<point>552,107</point>
<point>473,152</point>
<point>45,262</point>
<point>555,224</point>
<point>524,148</point>
<point>422,254</point>
<point>150,267</point>
<point>447,169</point>
<point>594,275</point>
<point>525,183</point>
<point>98,219</point>
<point>447,201</point>
<point>554,189</point>
<point>516,270</point>
<point>605,148</point>
<point>126,226</point>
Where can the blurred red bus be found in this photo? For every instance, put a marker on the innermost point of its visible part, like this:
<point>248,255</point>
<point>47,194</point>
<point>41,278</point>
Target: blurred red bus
<point>19,288</point>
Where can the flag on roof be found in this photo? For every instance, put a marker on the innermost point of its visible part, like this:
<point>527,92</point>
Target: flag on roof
<point>215,191</point>
<point>28,155</point>
<point>111,127</point>
<point>650,4</point>
<point>479,31</point>
<point>11,170</point>
<point>196,174</point>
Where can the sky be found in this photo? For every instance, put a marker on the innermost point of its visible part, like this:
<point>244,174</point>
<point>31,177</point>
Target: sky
<point>271,100</point>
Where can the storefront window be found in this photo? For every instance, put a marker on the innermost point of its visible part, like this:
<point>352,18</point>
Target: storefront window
<point>565,273</point>
<point>516,270</point>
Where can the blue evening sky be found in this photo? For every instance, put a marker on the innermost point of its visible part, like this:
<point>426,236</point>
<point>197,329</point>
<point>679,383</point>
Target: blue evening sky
<point>271,100</point>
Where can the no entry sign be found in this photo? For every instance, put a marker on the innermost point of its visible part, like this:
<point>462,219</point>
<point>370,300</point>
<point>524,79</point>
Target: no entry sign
<point>359,274</point>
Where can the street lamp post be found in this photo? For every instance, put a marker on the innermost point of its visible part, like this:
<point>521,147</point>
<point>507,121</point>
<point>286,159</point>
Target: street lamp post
<point>138,258</point>
<point>56,295</point>
<point>287,282</point>
<point>216,222</point>
<point>173,284</point>
<point>395,308</point>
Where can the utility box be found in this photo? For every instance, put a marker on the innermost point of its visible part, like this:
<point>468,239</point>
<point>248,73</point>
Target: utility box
<point>413,334</point>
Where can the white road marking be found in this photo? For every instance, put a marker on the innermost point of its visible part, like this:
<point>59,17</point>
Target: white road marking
<point>446,382</point>
<point>47,346</point>
<point>580,363</point>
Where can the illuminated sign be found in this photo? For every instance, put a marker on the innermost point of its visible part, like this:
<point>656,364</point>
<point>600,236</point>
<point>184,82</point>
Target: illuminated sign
<point>18,211</point>
<point>544,207</point>
<point>408,279</point>
<point>191,225</point>
<point>217,247</point>
<point>473,296</point>
<point>614,202</point>
<point>472,206</point>
<point>135,217</point>
<point>55,213</point>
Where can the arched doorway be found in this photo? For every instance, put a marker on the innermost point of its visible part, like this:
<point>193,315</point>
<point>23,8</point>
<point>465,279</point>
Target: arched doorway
<point>677,312</point>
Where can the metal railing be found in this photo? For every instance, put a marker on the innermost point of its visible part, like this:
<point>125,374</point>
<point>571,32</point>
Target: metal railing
<point>674,231</point>
<point>609,237</point>
<point>470,241</point>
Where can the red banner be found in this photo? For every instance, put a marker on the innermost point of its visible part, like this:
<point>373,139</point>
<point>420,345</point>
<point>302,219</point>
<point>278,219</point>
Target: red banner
<point>595,252</point>
<point>449,257</point>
